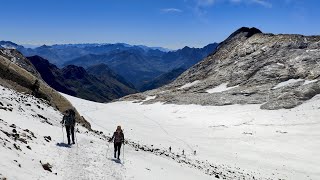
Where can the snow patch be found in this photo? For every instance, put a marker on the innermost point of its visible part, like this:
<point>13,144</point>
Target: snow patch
<point>310,81</point>
<point>189,84</point>
<point>312,50</point>
<point>292,81</point>
<point>150,98</point>
<point>220,88</point>
<point>286,83</point>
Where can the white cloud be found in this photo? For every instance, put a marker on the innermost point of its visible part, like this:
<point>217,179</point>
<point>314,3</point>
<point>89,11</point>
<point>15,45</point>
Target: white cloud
<point>263,3</point>
<point>201,7</point>
<point>235,1</point>
<point>205,2</point>
<point>171,10</point>
<point>208,3</point>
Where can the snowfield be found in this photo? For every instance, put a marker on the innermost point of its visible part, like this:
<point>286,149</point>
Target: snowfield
<point>31,135</point>
<point>275,144</point>
<point>229,142</point>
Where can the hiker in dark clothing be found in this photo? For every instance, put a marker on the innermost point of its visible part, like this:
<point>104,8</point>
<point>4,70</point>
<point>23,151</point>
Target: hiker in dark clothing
<point>35,87</point>
<point>118,137</point>
<point>69,121</point>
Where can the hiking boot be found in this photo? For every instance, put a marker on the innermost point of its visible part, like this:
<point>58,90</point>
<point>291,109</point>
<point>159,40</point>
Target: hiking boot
<point>73,143</point>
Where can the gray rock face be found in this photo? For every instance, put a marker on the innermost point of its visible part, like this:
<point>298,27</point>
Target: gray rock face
<point>251,65</point>
<point>17,58</point>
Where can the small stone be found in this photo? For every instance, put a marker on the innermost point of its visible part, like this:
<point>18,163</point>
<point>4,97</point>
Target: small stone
<point>47,138</point>
<point>46,167</point>
<point>23,140</point>
<point>17,147</point>
<point>13,126</point>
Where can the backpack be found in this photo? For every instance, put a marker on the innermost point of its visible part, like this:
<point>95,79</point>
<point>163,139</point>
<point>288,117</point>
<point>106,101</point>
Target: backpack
<point>70,119</point>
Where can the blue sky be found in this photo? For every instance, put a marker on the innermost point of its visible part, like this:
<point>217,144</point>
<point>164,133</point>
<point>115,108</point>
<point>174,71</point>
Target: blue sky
<point>167,23</point>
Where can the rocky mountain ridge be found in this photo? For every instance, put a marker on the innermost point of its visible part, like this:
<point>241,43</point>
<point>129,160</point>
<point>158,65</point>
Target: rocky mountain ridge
<point>249,67</point>
<point>76,81</point>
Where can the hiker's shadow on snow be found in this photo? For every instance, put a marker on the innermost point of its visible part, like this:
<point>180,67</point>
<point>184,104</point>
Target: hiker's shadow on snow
<point>116,161</point>
<point>63,145</point>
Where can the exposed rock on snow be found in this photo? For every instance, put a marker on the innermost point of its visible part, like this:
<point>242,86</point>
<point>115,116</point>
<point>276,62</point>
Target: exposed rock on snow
<point>46,166</point>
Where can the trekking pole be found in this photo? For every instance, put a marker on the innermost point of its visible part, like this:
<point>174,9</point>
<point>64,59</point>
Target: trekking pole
<point>123,153</point>
<point>62,133</point>
<point>108,148</point>
<point>123,150</point>
<point>76,138</point>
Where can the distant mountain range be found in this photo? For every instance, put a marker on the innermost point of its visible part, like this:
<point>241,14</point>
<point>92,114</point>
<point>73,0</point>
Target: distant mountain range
<point>138,65</point>
<point>77,81</point>
<point>58,54</point>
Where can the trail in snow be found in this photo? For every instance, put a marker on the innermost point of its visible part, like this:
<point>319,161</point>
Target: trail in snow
<point>89,161</point>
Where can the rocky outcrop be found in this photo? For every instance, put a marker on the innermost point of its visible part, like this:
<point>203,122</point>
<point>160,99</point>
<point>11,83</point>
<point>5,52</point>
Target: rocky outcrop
<point>18,73</point>
<point>17,58</point>
<point>250,67</point>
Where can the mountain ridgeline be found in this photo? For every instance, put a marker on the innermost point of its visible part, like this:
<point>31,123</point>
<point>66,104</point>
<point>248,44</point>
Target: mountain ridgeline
<point>138,65</point>
<point>249,67</point>
<point>76,81</point>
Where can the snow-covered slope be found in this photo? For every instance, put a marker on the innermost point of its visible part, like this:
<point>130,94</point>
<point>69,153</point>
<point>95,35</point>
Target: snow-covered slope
<point>231,142</point>
<point>236,141</point>
<point>31,135</point>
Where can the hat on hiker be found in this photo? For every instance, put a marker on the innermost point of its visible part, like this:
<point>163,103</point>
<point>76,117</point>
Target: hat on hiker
<point>66,111</point>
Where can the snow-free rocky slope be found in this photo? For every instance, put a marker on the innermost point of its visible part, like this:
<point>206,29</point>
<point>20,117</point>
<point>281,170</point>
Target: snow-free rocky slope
<point>98,83</point>
<point>249,67</point>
